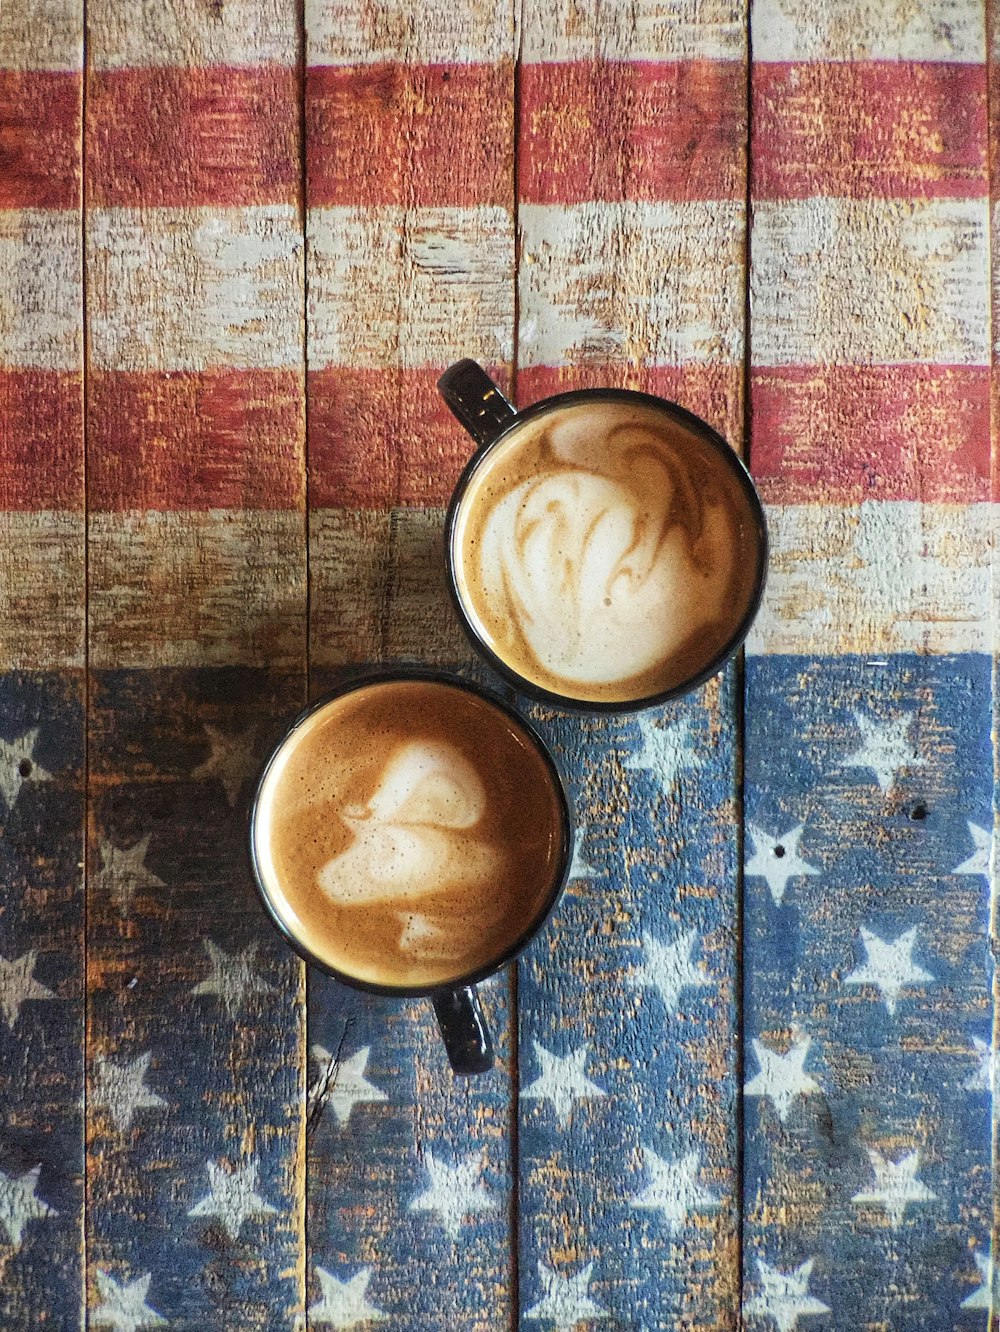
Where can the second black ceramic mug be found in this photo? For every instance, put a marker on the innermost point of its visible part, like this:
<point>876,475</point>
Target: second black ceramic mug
<point>410,835</point>
<point>606,550</point>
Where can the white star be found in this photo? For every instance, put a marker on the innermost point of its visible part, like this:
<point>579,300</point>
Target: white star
<point>232,760</point>
<point>233,977</point>
<point>565,1301</point>
<point>18,985</point>
<point>782,1076</point>
<point>123,871</point>
<point>982,1079</point>
<point>896,1185</point>
<point>982,1296</point>
<point>18,1204</point>
<point>454,1193</point>
<point>581,868</point>
<point>667,751</point>
<point>562,1081</point>
<point>121,1088</point>
<point>673,1190</point>
<point>890,966</point>
<point>18,765</point>
<point>979,861</point>
<point>776,859</point>
<point>344,1085</point>
<point>233,1197</point>
<point>785,1296</point>
<point>885,748</point>
<point>668,968</point>
<point>345,1304</point>
<point>124,1307</point>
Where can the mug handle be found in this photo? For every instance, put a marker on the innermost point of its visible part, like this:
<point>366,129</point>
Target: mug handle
<point>463,1030</point>
<point>476,401</point>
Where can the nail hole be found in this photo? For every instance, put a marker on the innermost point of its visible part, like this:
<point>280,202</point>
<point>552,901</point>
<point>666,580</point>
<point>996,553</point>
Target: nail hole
<point>779,851</point>
<point>918,812</point>
<point>24,767</point>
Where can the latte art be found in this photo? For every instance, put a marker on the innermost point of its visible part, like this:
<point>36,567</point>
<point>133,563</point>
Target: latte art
<point>601,551</point>
<point>408,833</point>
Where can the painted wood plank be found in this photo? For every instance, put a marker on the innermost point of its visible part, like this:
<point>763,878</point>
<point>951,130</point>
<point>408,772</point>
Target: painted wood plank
<point>41,996</point>
<point>411,1200</point>
<point>868,1191</point>
<point>42,690</point>
<point>196,1033</point>
<point>632,272</point>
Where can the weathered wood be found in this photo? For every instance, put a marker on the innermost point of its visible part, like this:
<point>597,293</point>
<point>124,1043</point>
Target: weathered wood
<point>409,145</point>
<point>631,160</point>
<point>868,1013</point>
<point>42,694</point>
<point>197,576</point>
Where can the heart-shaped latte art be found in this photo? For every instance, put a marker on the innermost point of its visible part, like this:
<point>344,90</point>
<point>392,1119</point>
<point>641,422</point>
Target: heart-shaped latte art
<point>413,838</point>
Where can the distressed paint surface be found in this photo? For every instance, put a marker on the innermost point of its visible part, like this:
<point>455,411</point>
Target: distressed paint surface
<point>42,687</point>
<point>558,189</point>
<point>197,654</point>
<point>868,801</point>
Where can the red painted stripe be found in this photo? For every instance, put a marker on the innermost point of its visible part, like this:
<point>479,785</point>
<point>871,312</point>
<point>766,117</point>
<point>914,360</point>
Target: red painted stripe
<point>380,438</point>
<point>846,433</point>
<point>39,138</point>
<point>41,439</point>
<point>856,129</point>
<point>615,130</point>
<point>174,136</point>
<point>219,439</point>
<point>713,392</point>
<point>421,135</point>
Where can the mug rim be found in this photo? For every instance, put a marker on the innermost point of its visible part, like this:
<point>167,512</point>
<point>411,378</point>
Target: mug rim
<point>359,679</point>
<point>733,643</point>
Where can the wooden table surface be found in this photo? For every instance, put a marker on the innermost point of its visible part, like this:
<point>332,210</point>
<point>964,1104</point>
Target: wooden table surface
<point>749,1064</point>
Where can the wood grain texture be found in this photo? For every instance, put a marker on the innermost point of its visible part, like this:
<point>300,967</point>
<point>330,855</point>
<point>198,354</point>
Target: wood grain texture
<point>868,1191</point>
<point>197,579</point>
<point>409,124</point>
<point>42,688</point>
<point>632,272</point>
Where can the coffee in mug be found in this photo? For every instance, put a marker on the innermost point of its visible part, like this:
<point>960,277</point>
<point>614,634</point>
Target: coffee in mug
<point>409,834</point>
<point>605,548</point>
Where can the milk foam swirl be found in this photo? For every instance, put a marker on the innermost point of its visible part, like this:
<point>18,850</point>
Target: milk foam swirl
<point>608,556</point>
<point>415,839</point>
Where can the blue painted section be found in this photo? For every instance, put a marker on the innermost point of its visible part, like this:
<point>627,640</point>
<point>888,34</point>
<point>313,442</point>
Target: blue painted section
<point>232,1082</point>
<point>41,1059</point>
<point>892,1083</point>
<point>662,864</point>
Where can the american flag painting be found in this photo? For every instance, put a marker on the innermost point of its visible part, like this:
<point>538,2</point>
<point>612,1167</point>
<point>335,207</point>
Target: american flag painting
<point>745,1077</point>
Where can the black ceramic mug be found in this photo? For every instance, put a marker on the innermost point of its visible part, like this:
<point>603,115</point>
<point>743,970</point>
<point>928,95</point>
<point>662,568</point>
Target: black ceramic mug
<point>606,550</point>
<point>410,835</point>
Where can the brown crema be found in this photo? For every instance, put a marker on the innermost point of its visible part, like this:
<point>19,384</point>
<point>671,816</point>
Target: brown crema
<point>606,551</point>
<point>408,833</point>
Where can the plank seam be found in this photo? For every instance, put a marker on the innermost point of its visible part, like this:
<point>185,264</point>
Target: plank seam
<point>85,405</point>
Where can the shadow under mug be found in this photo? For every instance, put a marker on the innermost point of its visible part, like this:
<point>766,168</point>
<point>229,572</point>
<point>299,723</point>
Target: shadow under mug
<point>456,1005</point>
<point>481,408</point>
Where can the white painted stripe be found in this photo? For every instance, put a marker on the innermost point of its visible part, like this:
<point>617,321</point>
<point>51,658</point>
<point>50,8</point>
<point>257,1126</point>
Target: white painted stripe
<point>343,32</point>
<point>189,288</point>
<point>42,590</point>
<point>41,34</point>
<point>41,289</point>
<point>215,588</point>
<point>377,588</point>
<point>952,30</point>
<point>885,576</point>
<point>191,32</point>
<point>648,283</point>
<point>398,287</point>
<point>635,30</point>
<point>870,281</point>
